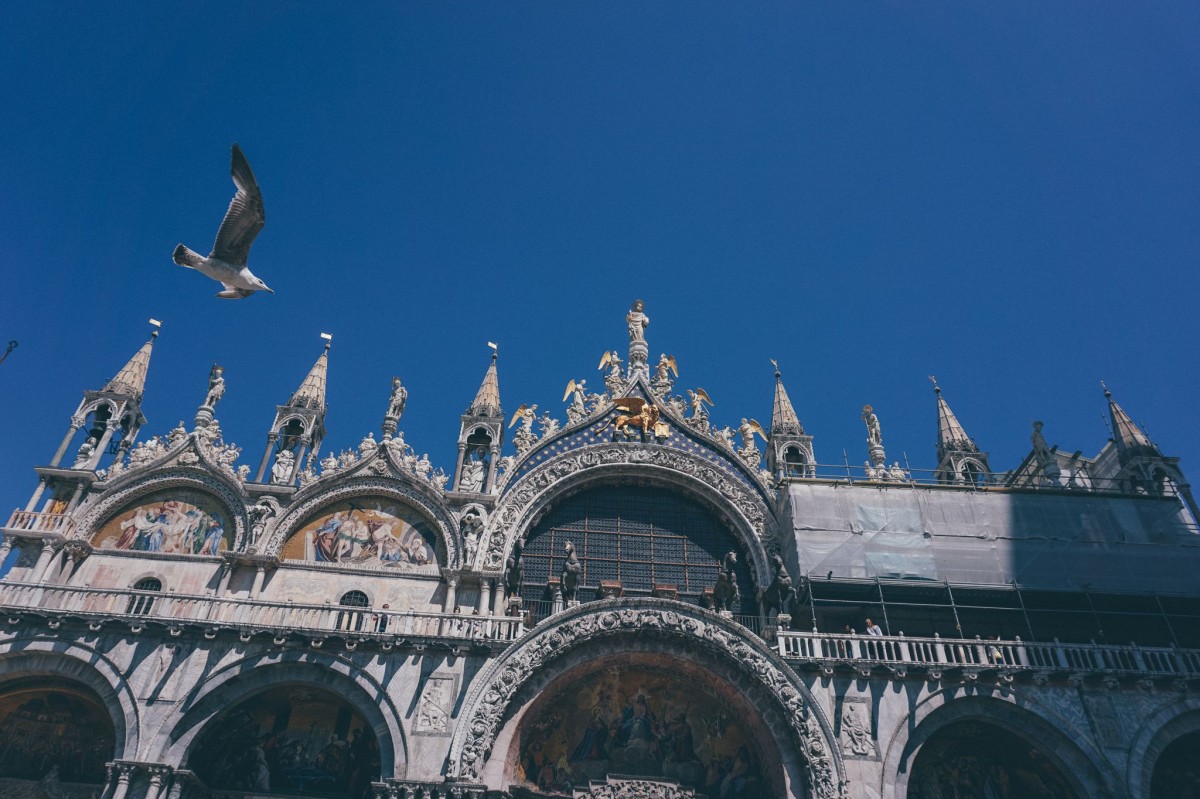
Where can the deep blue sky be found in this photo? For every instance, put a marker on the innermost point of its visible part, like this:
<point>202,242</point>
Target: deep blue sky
<point>1006,195</point>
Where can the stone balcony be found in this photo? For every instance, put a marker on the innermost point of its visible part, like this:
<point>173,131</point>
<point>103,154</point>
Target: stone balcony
<point>934,656</point>
<point>248,618</point>
<point>31,524</point>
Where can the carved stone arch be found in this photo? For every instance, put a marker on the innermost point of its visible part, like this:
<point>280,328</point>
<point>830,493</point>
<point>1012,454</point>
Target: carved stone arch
<point>236,682</point>
<point>511,681</point>
<point>1064,744</point>
<point>481,426</point>
<point>1172,720</point>
<point>311,500</point>
<point>92,406</point>
<point>523,503</point>
<point>92,516</point>
<point>29,657</point>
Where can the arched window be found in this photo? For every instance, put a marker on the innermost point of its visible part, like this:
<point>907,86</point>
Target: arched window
<point>795,464</point>
<point>142,604</point>
<point>640,536</point>
<point>1174,772</point>
<point>352,620</point>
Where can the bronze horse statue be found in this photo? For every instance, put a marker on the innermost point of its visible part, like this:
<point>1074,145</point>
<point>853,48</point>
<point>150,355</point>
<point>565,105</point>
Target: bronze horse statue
<point>571,570</point>
<point>780,595</point>
<point>725,592</point>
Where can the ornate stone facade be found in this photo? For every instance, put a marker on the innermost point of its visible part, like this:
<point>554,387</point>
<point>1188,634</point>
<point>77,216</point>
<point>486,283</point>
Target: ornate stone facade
<point>423,644</point>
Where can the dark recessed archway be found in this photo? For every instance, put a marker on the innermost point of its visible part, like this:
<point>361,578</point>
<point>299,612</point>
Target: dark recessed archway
<point>1176,772</point>
<point>976,758</point>
<point>289,740</point>
<point>48,724</point>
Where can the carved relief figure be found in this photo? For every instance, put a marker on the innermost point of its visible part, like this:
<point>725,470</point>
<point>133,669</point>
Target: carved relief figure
<point>281,470</point>
<point>433,714</point>
<point>856,730</point>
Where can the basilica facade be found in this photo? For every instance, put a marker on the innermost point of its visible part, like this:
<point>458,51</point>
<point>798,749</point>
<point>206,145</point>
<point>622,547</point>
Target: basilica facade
<point>627,601</point>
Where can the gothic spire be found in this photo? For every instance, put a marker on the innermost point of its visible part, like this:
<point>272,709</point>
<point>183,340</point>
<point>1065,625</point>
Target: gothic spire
<point>1128,436</point>
<point>951,435</point>
<point>311,393</point>
<point>783,415</point>
<point>131,380</point>
<point>487,400</point>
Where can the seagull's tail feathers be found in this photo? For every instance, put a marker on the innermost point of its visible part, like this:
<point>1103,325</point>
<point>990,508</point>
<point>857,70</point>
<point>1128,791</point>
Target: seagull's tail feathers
<point>187,258</point>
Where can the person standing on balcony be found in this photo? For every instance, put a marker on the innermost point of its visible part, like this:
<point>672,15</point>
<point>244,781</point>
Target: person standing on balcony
<point>873,628</point>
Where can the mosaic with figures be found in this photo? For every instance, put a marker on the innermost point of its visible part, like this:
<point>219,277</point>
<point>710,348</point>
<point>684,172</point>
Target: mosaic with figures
<point>289,740</point>
<point>638,721</point>
<point>366,532</point>
<point>54,731</point>
<point>173,522</point>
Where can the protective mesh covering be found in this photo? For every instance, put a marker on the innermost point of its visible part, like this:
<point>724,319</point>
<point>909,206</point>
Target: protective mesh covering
<point>1045,539</point>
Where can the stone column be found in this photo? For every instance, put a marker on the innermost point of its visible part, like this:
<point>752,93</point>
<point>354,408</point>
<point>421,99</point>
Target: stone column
<point>75,497</point>
<point>260,576</point>
<point>43,561</point>
<point>37,495</point>
<point>458,464</point>
<point>450,605</point>
<point>6,545</point>
<point>109,429</point>
<point>298,463</point>
<point>66,442</point>
<point>124,775</point>
<point>493,463</point>
<point>498,600</point>
<point>485,596</point>
<point>158,776</point>
<point>262,465</point>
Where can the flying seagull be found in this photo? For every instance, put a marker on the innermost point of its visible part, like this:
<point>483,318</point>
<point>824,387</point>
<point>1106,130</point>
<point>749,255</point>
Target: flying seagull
<point>227,262</point>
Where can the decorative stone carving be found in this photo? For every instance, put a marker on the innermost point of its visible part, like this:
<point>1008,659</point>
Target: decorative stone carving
<point>368,445</point>
<point>435,706</point>
<point>614,381</point>
<point>477,732</point>
<point>856,738</point>
<point>549,425</point>
<point>281,470</point>
<point>471,526</point>
<point>627,788</point>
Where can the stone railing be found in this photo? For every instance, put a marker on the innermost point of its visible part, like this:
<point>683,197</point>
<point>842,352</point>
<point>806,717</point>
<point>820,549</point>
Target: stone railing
<point>935,653</point>
<point>176,611</point>
<point>26,522</point>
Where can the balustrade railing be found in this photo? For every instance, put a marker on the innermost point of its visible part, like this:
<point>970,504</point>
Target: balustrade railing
<point>898,650</point>
<point>280,617</point>
<point>27,521</point>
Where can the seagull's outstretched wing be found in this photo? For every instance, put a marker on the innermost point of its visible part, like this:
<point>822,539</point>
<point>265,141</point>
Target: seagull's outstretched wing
<point>245,216</point>
<point>233,292</point>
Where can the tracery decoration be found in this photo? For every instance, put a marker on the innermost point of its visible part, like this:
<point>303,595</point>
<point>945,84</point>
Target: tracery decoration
<point>488,702</point>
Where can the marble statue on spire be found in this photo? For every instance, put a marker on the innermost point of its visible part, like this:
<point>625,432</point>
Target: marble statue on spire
<point>637,322</point>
